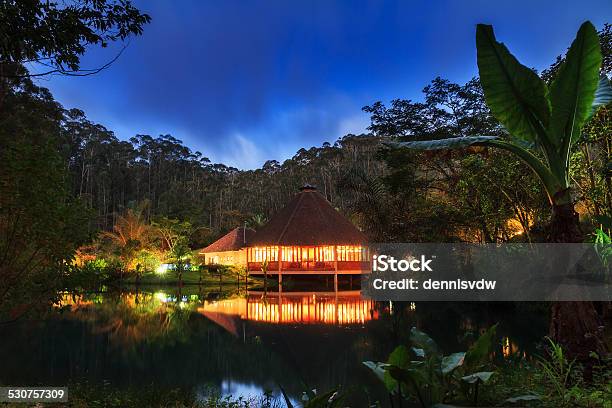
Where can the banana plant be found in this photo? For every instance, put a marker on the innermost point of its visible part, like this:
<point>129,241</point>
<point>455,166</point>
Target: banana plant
<point>543,122</point>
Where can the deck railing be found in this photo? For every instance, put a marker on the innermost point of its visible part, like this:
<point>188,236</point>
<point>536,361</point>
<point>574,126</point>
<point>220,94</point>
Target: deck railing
<point>311,266</point>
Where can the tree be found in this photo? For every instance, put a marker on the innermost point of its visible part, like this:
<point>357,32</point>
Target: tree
<point>180,252</point>
<point>543,124</point>
<point>40,222</point>
<point>171,231</point>
<point>471,195</point>
<point>57,34</point>
<point>257,221</point>
<point>131,234</point>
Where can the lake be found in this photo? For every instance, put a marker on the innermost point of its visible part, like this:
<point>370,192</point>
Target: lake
<point>243,343</point>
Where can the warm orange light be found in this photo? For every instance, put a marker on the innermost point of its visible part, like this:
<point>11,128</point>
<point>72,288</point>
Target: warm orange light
<point>261,254</point>
<point>305,309</point>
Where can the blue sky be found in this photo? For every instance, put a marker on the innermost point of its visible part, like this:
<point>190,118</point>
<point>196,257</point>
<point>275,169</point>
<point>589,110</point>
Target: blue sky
<point>247,81</point>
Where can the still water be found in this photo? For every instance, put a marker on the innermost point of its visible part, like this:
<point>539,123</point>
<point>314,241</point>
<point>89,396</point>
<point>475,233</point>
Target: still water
<point>243,343</point>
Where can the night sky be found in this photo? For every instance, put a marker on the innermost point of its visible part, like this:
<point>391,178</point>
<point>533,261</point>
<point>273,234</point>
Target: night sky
<point>248,81</point>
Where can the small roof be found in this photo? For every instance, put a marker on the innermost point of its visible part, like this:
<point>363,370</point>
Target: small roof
<point>232,241</point>
<point>308,220</point>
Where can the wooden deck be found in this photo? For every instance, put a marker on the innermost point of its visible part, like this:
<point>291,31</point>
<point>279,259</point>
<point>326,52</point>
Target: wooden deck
<point>311,268</point>
<point>317,272</point>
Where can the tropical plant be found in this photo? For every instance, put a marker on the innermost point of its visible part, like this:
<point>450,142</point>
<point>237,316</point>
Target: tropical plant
<point>257,221</point>
<point>130,234</point>
<point>424,374</point>
<point>543,125</point>
<point>557,370</point>
<point>603,246</point>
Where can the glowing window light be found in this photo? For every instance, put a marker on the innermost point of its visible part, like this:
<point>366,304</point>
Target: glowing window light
<point>261,254</point>
<point>308,254</point>
<point>351,253</point>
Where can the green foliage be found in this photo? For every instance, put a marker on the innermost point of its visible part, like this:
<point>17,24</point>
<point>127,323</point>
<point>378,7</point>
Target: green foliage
<point>423,374</point>
<point>466,195</point>
<point>88,276</point>
<point>572,92</point>
<point>40,222</point>
<point>479,352</point>
<point>515,94</point>
<point>557,369</point>
<point>603,246</point>
<point>530,112</point>
<point>171,231</point>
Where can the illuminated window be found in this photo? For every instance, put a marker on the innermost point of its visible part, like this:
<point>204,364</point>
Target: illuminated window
<point>261,254</point>
<point>351,253</point>
<point>307,254</point>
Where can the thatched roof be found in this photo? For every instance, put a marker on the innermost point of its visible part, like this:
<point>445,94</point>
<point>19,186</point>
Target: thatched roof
<point>308,219</point>
<point>232,241</point>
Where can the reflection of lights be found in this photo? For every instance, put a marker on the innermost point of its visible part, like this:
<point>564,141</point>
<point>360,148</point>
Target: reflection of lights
<point>300,309</point>
<point>306,310</point>
<point>161,296</point>
<point>508,348</point>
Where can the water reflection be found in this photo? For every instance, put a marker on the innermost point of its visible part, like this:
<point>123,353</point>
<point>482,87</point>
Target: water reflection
<point>343,308</point>
<point>238,342</point>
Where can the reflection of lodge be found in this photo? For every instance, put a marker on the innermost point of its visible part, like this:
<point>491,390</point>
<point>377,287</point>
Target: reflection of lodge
<point>326,309</point>
<point>343,308</point>
<point>308,236</point>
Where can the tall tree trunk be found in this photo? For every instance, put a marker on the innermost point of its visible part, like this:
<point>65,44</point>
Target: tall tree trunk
<point>574,325</point>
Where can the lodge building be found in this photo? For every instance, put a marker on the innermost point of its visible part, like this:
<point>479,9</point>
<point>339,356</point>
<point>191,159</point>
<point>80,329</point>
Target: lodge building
<point>307,237</point>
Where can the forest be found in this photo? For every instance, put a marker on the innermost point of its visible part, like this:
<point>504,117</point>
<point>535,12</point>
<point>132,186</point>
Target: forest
<point>72,187</point>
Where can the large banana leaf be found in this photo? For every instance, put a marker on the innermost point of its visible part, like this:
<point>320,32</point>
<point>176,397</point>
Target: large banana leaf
<point>603,94</point>
<point>515,94</point>
<point>573,91</point>
<point>448,143</point>
<point>551,183</point>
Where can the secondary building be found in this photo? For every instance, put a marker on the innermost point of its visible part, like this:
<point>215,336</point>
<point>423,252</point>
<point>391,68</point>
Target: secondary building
<point>230,249</point>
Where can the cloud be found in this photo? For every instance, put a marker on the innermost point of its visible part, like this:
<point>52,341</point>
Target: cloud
<point>241,152</point>
<point>355,124</point>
